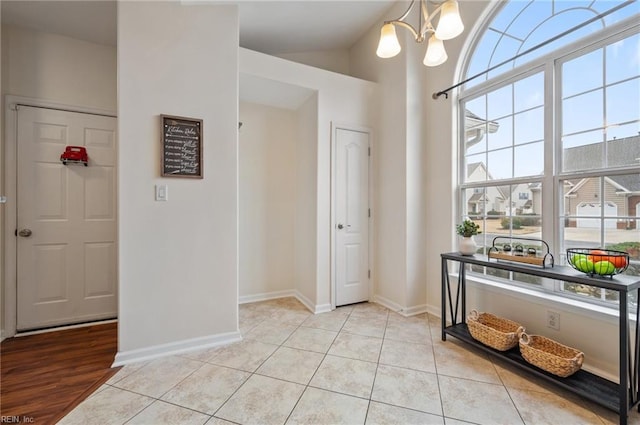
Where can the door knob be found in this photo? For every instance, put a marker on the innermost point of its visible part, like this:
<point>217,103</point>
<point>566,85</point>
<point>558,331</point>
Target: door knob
<point>340,226</point>
<point>25,233</point>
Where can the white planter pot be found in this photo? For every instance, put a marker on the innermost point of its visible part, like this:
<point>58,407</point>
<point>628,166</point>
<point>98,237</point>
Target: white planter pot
<point>467,246</point>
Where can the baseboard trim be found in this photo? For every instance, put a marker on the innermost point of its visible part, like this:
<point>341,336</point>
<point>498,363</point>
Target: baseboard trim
<point>315,309</point>
<point>245,299</point>
<point>403,311</point>
<point>149,353</point>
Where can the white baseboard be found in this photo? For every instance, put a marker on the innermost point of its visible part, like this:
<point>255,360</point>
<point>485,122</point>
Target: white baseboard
<point>266,296</point>
<point>404,311</point>
<point>172,348</point>
<point>434,310</point>
<point>314,308</point>
<point>386,302</point>
<point>322,308</point>
<point>305,301</point>
<point>1,335</point>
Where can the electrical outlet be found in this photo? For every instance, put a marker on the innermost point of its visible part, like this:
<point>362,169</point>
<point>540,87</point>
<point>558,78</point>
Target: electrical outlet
<point>553,320</point>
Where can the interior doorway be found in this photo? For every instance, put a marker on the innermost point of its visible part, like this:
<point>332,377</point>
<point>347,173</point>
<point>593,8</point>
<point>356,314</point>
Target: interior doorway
<point>65,218</point>
<point>351,215</point>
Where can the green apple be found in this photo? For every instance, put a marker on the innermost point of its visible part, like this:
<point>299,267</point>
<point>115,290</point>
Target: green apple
<point>604,267</point>
<point>584,265</point>
<point>577,257</point>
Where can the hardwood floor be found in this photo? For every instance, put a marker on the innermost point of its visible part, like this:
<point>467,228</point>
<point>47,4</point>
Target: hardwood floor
<point>45,376</point>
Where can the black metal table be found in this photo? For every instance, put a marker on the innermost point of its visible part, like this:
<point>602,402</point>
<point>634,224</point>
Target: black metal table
<point>619,398</point>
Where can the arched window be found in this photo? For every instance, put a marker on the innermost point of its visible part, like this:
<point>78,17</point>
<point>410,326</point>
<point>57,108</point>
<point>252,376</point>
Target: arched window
<point>520,25</point>
<point>555,129</point>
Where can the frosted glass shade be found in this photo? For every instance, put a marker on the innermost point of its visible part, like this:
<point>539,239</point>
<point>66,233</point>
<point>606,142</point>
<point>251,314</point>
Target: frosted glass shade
<point>449,25</point>
<point>388,46</point>
<point>436,54</point>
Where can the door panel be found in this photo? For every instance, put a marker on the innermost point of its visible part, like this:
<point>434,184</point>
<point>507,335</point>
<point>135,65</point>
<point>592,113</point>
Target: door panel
<point>352,215</point>
<point>66,267</point>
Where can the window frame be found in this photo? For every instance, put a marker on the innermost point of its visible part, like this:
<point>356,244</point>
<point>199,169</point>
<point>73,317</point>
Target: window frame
<point>550,64</point>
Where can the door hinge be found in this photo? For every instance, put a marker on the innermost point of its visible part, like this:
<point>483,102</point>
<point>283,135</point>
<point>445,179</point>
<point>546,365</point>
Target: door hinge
<point>369,274</point>
<point>369,151</point>
<point>369,212</point>
<point>15,232</point>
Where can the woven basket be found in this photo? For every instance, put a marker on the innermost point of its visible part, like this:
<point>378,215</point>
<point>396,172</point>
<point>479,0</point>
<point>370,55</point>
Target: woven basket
<point>496,332</point>
<point>550,355</point>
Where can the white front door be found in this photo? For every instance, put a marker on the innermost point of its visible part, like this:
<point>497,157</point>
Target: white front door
<point>351,216</point>
<point>66,216</point>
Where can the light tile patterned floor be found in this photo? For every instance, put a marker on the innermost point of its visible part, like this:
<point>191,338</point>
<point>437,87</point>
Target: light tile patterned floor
<point>359,364</point>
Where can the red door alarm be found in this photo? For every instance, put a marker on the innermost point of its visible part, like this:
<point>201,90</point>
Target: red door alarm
<point>75,154</point>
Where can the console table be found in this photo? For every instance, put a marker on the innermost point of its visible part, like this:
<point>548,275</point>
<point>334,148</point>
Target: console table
<point>620,397</point>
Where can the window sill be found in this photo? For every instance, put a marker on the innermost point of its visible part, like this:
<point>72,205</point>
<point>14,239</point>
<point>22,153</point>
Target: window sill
<point>546,299</point>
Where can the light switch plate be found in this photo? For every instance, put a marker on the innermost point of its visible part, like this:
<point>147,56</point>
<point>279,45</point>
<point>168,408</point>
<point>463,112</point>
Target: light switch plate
<point>162,192</point>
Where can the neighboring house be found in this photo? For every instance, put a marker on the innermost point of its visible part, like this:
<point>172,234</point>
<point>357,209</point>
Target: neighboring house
<point>481,201</point>
<point>476,127</point>
<point>621,196</point>
<point>505,199</point>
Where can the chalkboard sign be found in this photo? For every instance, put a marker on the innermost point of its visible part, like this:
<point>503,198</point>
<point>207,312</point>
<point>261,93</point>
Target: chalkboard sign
<point>181,147</point>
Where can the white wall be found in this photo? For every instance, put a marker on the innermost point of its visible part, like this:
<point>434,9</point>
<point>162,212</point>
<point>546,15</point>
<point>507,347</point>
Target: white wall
<point>267,186</point>
<point>330,60</point>
<point>342,99</point>
<point>178,260</point>
<point>396,145</point>
<point>305,215</point>
<point>439,167</point>
<point>57,68</point>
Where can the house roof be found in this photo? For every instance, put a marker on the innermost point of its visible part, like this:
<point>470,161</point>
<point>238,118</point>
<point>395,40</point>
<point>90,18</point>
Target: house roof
<point>619,152</point>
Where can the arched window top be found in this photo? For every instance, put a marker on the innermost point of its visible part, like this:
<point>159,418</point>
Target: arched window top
<point>519,25</point>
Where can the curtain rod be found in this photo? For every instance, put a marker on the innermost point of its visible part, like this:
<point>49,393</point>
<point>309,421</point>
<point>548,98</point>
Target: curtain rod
<point>446,91</point>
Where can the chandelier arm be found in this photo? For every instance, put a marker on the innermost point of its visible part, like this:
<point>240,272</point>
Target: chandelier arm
<point>427,26</point>
<point>419,37</point>
<point>406,13</point>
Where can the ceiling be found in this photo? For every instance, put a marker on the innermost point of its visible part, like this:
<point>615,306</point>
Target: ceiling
<point>272,27</point>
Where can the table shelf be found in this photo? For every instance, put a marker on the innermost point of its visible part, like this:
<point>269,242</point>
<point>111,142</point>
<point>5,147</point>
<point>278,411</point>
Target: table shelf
<point>619,398</point>
<point>583,383</point>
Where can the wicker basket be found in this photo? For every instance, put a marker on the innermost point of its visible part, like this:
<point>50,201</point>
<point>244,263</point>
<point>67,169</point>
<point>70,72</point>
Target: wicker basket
<point>550,355</point>
<point>496,332</point>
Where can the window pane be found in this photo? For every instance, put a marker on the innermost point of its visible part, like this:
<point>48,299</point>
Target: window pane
<point>502,134</point>
<point>622,131</point>
<point>529,126</point>
<point>475,126</point>
<point>582,151</point>
<point>623,152</point>
<point>555,26</point>
<point>587,80</point>
<point>529,93</point>
<point>583,112</point>
<point>535,13</point>
<point>476,168</point>
<point>623,102</point>
<point>623,59</point>
<point>500,164</point>
<point>500,103</point>
<point>529,160</point>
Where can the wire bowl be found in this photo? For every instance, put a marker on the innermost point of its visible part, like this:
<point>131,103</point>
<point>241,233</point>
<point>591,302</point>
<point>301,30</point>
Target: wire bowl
<point>598,262</point>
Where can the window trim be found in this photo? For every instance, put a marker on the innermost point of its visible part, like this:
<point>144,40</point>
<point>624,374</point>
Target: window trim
<point>550,65</point>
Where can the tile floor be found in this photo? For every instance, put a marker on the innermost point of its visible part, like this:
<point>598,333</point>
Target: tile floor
<point>359,364</point>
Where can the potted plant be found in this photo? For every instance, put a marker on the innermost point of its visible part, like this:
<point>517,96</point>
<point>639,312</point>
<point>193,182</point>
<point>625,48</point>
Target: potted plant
<point>467,230</point>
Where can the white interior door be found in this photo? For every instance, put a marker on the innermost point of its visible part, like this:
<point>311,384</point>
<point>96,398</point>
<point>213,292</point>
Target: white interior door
<point>66,216</point>
<point>351,216</point>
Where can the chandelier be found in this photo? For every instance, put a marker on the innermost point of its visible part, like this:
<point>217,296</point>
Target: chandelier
<point>449,26</point>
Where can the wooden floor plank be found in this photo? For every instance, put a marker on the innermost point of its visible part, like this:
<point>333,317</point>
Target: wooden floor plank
<point>45,376</point>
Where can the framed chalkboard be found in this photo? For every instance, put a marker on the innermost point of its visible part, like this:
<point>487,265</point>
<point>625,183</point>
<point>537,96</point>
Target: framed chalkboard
<point>181,147</point>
